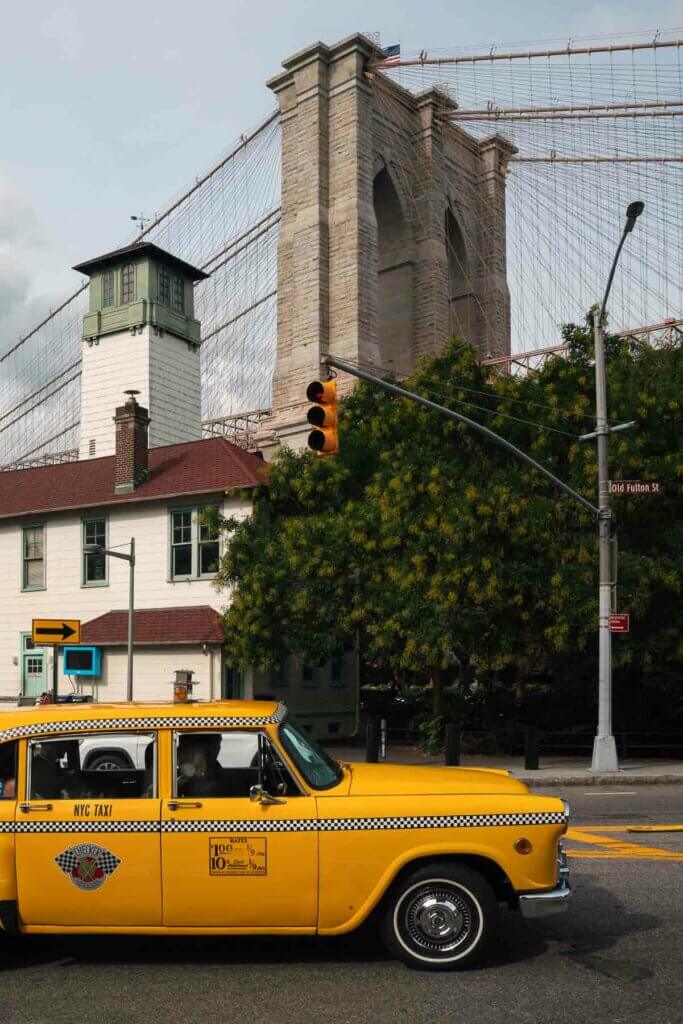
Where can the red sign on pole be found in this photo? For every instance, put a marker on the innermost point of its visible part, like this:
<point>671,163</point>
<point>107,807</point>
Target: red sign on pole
<point>619,623</point>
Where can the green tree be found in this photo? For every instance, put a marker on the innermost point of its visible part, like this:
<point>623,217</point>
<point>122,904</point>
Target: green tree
<point>463,570</point>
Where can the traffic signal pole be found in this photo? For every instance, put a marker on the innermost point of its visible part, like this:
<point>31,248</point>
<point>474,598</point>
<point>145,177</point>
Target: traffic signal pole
<point>394,389</point>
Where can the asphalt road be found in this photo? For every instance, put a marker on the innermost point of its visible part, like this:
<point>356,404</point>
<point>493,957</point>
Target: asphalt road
<point>616,957</point>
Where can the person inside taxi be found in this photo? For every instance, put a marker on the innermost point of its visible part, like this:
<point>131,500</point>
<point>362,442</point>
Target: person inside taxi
<point>8,774</point>
<point>199,773</point>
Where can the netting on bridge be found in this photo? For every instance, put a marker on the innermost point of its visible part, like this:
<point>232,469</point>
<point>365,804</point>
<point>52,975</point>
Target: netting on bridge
<point>595,126</point>
<point>226,223</point>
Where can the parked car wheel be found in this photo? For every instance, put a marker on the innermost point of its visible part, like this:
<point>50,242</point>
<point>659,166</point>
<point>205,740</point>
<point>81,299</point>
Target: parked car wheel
<point>439,917</point>
<point>108,762</point>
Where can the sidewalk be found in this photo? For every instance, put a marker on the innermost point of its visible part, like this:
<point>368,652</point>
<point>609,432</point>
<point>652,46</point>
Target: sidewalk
<point>554,771</point>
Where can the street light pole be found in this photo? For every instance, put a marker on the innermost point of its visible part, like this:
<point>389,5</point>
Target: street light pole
<point>604,746</point>
<point>131,619</point>
<point>98,549</point>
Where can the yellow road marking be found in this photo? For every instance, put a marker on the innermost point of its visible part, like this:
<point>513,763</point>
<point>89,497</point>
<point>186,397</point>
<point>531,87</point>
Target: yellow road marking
<point>614,848</point>
<point>655,828</point>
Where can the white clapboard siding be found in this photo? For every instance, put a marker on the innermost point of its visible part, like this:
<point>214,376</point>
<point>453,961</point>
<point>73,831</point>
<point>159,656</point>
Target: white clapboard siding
<point>148,522</point>
<point>162,367</point>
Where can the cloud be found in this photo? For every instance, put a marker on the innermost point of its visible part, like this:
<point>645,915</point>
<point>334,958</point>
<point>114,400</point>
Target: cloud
<point>21,239</point>
<point>18,236</point>
<point>62,28</point>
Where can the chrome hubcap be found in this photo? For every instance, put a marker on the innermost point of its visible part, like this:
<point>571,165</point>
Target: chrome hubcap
<point>438,919</point>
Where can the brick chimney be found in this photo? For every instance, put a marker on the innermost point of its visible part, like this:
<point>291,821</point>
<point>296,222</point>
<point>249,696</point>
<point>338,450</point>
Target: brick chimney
<point>131,422</point>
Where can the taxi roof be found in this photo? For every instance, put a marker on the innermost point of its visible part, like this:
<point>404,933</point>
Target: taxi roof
<point>154,711</point>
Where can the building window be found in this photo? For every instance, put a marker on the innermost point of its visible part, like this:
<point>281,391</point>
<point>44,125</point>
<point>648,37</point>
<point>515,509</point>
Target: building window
<point>195,545</point>
<point>108,288</point>
<point>337,670</point>
<point>164,285</point>
<point>94,566</point>
<point>178,294</point>
<point>181,544</point>
<point>33,554</point>
<point>208,550</point>
<point>127,283</point>
<point>280,675</point>
<point>308,676</point>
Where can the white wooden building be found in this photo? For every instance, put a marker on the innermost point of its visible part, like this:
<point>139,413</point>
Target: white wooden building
<point>143,472</point>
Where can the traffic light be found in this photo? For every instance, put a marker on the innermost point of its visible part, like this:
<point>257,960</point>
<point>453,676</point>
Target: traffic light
<point>324,438</point>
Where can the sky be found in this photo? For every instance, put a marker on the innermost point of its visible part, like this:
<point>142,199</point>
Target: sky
<point>111,108</point>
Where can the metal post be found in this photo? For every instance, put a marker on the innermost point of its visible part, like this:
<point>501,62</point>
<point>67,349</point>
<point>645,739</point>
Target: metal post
<point>131,618</point>
<point>452,744</point>
<point>372,740</point>
<point>55,672</point>
<point>604,746</point>
<point>382,739</point>
<point>531,748</point>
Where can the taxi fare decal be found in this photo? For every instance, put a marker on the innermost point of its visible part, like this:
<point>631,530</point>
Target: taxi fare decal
<point>238,855</point>
<point>87,865</point>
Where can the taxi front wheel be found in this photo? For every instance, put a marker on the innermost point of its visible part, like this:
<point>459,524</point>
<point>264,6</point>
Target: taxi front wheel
<point>439,917</point>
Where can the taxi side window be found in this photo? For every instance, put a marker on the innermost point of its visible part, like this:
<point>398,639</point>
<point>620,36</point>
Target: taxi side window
<point>226,764</point>
<point>8,769</point>
<point>96,765</point>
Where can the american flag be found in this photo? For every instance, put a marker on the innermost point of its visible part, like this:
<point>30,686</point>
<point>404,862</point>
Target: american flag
<point>392,54</point>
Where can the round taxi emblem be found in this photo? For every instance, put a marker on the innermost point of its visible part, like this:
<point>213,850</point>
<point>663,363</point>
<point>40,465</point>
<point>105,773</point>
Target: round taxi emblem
<point>87,865</point>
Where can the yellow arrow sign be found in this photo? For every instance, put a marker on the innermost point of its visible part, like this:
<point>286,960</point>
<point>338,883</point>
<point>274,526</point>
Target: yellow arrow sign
<point>56,631</point>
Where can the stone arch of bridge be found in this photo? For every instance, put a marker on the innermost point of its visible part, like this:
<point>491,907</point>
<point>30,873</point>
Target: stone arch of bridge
<point>460,292</point>
<point>395,275</point>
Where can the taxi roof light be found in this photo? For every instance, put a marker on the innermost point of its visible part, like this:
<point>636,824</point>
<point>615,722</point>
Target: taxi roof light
<point>182,685</point>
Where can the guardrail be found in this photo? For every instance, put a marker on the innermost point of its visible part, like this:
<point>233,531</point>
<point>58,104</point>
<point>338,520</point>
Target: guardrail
<point>533,742</point>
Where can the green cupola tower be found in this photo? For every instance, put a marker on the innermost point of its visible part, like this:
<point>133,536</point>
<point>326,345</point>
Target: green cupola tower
<point>140,334</point>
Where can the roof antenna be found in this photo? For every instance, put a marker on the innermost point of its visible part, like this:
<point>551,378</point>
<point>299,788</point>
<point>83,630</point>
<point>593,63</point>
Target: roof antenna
<point>141,220</point>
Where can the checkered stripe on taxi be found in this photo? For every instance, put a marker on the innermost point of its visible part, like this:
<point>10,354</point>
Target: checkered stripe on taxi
<point>367,824</point>
<point>293,825</point>
<point>146,722</point>
<point>79,827</point>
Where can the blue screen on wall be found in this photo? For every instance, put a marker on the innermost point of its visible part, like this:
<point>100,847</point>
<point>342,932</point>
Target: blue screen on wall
<point>81,661</point>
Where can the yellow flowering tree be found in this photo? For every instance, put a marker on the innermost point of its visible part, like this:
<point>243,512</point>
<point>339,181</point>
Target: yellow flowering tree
<point>456,563</point>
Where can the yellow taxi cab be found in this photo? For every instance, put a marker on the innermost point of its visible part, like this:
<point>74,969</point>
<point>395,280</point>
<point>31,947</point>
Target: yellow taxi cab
<point>224,818</point>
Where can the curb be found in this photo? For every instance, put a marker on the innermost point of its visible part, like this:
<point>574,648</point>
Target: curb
<point>537,782</point>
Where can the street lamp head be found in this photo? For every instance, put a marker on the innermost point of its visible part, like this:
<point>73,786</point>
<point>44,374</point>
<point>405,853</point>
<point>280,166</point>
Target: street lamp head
<point>93,549</point>
<point>633,212</point>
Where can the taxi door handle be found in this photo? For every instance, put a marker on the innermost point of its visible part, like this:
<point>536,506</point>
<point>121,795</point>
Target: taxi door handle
<point>183,805</point>
<point>35,807</point>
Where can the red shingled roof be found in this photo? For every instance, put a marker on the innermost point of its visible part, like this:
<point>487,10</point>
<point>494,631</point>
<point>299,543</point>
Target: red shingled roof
<point>194,467</point>
<point>156,626</point>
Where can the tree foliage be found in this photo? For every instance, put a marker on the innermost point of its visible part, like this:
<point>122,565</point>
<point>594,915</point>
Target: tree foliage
<point>456,563</point>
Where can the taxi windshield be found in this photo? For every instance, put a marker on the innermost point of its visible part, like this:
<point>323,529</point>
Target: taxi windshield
<point>317,767</point>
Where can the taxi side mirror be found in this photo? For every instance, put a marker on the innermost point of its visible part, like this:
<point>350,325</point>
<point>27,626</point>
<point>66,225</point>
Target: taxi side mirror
<point>258,795</point>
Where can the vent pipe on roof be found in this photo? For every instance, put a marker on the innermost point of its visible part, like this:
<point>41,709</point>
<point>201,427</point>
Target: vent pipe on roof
<point>132,421</point>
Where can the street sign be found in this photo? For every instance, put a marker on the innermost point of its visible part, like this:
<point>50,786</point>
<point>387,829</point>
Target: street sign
<point>635,487</point>
<point>56,631</point>
<point>619,623</point>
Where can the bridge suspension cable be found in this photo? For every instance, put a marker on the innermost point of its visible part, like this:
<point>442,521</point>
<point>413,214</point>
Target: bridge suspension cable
<point>226,222</point>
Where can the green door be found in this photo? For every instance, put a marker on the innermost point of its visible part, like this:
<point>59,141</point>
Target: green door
<point>33,667</point>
